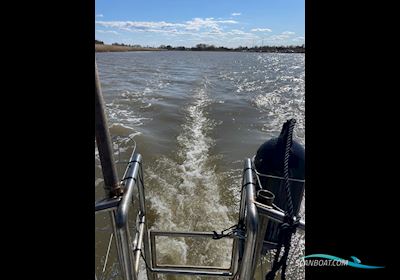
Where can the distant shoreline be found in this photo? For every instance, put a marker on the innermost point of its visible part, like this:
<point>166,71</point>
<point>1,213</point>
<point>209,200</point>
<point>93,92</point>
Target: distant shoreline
<point>120,48</point>
<point>114,48</point>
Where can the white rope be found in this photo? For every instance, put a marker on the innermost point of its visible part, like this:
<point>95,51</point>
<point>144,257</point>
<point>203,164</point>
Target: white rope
<point>108,251</point>
<point>273,176</point>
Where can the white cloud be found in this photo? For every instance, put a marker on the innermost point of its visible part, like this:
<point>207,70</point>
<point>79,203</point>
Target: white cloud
<point>237,31</point>
<point>288,33</point>
<point>99,15</point>
<point>283,37</point>
<point>297,39</point>
<point>236,14</point>
<point>261,30</point>
<point>280,37</point>
<point>196,24</point>
<point>107,31</point>
<point>211,23</point>
<point>242,33</point>
<point>137,24</point>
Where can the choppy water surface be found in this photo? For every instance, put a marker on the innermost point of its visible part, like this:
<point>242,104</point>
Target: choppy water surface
<point>195,117</point>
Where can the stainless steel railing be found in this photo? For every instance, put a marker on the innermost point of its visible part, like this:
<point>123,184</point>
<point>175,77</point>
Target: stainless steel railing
<point>128,250</point>
<point>245,249</point>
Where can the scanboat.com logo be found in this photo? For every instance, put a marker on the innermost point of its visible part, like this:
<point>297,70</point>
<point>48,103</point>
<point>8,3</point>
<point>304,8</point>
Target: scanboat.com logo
<point>328,260</point>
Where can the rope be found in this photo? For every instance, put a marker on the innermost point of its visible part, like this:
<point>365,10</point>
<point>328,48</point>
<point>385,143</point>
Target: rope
<point>108,252</point>
<point>248,183</point>
<point>288,227</point>
<point>278,177</point>
<point>223,234</point>
<point>141,254</point>
<point>289,141</point>
<point>127,178</point>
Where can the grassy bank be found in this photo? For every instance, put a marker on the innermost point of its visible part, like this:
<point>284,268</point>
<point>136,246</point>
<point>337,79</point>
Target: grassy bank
<point>113,48</point>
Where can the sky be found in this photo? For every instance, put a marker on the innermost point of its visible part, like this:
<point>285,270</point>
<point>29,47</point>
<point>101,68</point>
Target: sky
<point>229,23</point>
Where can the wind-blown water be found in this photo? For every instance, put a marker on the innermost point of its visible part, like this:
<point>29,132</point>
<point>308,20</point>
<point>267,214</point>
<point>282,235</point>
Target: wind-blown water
<point>195,117</point>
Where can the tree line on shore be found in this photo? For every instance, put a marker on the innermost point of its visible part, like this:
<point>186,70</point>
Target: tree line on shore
<point>207,47</point>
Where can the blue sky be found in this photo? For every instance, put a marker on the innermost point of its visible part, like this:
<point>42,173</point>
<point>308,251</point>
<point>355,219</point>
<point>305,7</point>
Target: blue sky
<point>229,23</point>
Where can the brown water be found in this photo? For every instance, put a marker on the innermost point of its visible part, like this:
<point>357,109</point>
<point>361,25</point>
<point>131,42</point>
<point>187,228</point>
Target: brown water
<point>195,117</point>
